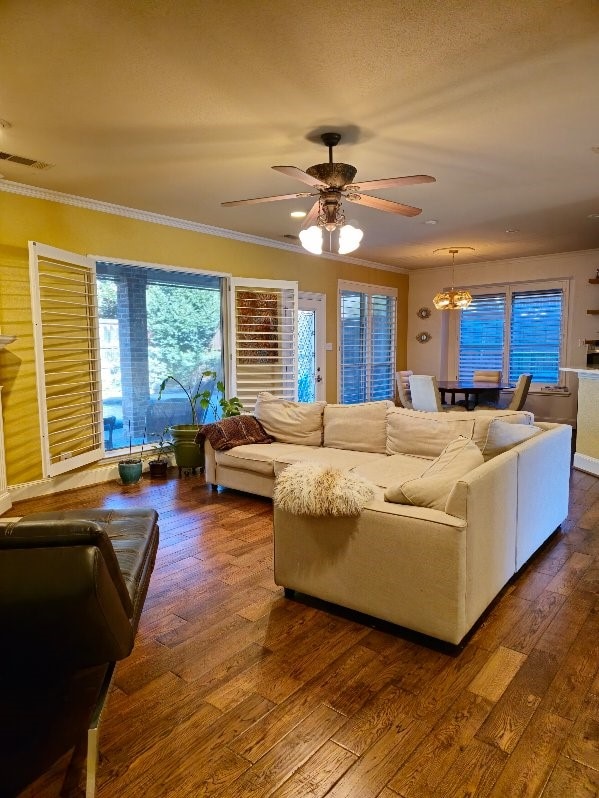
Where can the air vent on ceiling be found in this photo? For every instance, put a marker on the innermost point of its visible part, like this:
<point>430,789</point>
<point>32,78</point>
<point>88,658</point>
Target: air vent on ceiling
<point>7,156</point>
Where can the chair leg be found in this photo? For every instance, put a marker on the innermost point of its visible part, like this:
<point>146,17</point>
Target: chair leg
<point>93,734</point>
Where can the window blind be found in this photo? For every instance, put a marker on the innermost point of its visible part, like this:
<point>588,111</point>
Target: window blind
<point>481,333</point>
<point>536,334</point>
<point>67,358</point>
<point>367,318</point>
<point>263,339</point>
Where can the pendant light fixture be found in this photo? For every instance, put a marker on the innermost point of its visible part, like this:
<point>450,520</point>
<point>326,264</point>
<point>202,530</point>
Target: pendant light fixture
<point>454,299</point>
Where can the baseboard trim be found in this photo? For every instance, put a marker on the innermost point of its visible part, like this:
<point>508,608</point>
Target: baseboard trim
<point>70,481</point>
<point>585,463</point>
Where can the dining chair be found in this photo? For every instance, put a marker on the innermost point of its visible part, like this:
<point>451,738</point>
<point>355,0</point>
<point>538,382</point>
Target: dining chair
<point>491,398</point>
<point>402,379</point>
<point>518,397</point>
<point>425,395</point>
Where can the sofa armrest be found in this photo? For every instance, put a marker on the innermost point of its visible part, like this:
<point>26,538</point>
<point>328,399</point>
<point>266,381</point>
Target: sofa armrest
<point>487,499</point>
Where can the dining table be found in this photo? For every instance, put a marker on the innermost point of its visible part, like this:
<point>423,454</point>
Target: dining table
<point>469,388</point>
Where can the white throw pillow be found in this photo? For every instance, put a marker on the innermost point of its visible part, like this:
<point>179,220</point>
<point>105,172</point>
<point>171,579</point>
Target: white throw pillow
<point>360,427</point>
<point>503,436</point>
<point>425,434</point>
<point>432,489</point>
<point>290,422</point>
<point>483,419</point>
<point>307,489</point>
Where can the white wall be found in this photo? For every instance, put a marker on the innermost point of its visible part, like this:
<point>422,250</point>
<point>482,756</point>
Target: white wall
<point>434,356</point>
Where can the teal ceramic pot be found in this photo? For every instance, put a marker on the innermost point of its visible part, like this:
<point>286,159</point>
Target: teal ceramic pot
<point>130,473</point>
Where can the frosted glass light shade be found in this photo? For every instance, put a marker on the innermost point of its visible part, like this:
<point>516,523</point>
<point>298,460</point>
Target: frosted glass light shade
<point>349,238</point>
<point>311,239</point>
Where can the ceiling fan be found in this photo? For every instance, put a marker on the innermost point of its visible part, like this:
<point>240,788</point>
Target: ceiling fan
<point>333,182</point>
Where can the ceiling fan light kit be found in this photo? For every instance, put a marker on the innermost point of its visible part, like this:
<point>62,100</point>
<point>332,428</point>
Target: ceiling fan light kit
<point>455,298</point>
<point>333,182</point>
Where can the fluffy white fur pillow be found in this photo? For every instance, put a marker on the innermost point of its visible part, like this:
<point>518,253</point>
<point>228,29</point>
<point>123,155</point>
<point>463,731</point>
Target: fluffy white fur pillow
<point>432,489</point>
<point>307,489</point>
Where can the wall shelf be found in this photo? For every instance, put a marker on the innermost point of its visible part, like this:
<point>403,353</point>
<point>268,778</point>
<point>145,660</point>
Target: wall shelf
<point>593,312</point>
<point>594,280</point>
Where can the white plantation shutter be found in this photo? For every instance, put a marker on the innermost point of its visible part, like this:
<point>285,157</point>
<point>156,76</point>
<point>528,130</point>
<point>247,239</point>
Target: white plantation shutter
<point>518,329</point>
<point>536,334</point>
<point>481,328</point>
<point>367,336</point>
<point>263,339</point>
<point>63,290</point>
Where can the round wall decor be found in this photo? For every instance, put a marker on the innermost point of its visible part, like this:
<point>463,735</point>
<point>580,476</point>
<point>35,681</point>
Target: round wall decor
<point>423,337</point>
<point>423,313</point>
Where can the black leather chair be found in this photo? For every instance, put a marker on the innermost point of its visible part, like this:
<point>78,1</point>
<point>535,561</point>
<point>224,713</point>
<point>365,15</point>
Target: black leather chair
<point>72,587</point>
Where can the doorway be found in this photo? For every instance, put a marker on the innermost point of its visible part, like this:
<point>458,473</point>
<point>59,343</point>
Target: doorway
<point>311,347</point>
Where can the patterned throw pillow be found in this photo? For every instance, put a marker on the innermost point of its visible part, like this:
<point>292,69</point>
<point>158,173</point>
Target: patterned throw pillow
<point>234,431</point>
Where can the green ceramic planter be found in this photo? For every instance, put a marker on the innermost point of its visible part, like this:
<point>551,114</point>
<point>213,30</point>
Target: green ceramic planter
<point>188,454</point>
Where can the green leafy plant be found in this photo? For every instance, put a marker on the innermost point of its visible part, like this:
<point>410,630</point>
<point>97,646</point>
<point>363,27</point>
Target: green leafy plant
<point>163,444</point>
<point>203,397</point>
<point>198,397</point>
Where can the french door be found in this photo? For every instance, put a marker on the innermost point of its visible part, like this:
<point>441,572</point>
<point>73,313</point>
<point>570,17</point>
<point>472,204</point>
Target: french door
<point>311,347</point>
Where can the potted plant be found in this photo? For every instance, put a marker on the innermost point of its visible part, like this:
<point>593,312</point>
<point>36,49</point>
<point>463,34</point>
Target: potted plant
<point>130,469</point>
<point>187,452</point>
<point>159,464</point>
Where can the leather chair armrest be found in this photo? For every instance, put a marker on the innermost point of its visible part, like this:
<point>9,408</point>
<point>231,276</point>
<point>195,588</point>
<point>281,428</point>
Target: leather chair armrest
<point>33,532</point>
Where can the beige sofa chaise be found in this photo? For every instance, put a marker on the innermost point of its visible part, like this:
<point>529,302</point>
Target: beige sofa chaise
<point>431,570</point>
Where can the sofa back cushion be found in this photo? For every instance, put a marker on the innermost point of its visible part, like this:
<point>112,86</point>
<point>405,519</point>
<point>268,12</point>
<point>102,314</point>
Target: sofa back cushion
<point>426,434</point>
<point>361,427</point>
<point>432,489</point>
<point>423,434</point>
<point>290,422</point>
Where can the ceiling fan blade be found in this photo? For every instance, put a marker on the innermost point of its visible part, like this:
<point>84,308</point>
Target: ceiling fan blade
<point>299,174</point>
<point>384,205</point>
<point>312,215</point>
<point>387,182</point>
<point>267,199</point>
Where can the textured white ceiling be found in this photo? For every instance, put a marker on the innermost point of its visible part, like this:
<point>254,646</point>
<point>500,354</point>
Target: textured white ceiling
<point>175,106</point>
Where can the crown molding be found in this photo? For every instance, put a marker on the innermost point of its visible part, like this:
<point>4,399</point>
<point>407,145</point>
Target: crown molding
<point>36,192</point>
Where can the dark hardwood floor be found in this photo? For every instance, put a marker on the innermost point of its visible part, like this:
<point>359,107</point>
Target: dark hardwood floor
<point>233,691</point>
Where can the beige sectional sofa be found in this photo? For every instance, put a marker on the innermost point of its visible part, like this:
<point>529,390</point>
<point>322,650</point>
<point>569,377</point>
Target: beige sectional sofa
<point>431,570</point>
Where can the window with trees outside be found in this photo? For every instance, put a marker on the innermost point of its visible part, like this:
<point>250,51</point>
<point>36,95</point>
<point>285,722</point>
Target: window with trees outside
<point>153,322</point>
<point>515,329</point>
<point>367,335</point>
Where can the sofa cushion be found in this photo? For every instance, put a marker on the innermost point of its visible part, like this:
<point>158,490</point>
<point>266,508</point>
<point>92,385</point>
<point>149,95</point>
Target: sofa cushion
<point>417,432</point>
<point>483,419</point>
<point>393,469</point>
<point>344,459</point>
<point>308,489</point>
<point>503,436</point>
<point>290,422</point>
<point>432,489</point>
<point>258,457</point>
<point>361,427</point>
<point>234,431</point>
<point>426,434</point>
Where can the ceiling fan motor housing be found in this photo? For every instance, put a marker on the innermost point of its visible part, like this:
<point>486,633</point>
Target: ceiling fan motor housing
<point>335,175</point>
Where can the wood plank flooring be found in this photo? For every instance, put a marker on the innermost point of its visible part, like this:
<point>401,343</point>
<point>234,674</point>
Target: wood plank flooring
<point>233,691</point>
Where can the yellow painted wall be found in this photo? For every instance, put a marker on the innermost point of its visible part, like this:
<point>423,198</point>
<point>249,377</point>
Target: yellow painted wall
<point>84,231</point>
